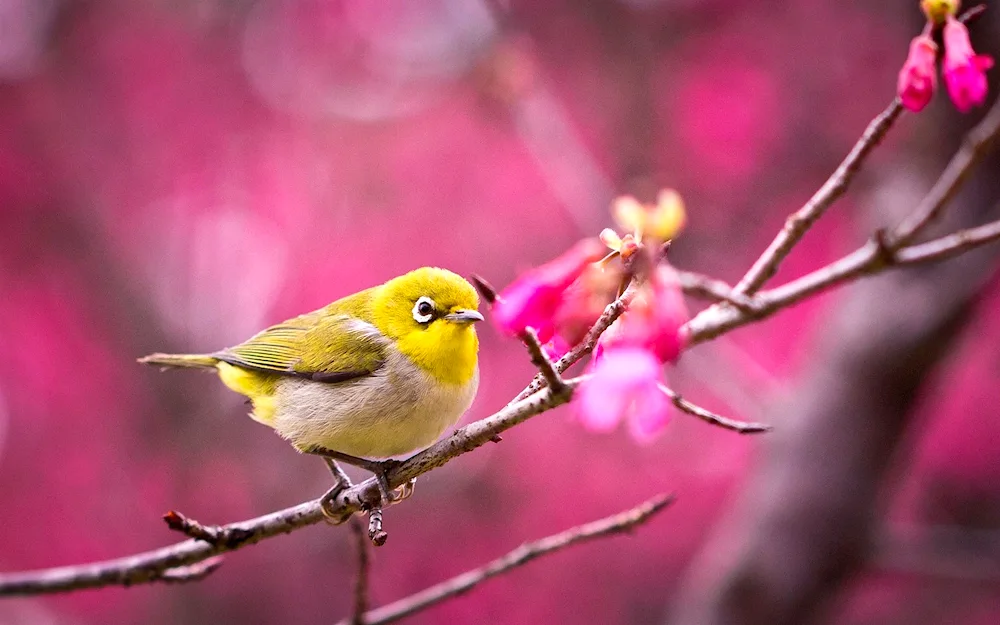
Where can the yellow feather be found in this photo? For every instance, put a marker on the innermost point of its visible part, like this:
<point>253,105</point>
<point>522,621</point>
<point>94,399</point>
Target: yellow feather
<point>259,387</point>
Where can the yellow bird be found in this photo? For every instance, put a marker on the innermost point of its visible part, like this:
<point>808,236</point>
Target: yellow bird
<point>376,374</point>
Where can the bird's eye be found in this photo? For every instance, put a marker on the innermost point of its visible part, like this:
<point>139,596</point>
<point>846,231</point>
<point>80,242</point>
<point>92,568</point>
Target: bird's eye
<point>423,310</point>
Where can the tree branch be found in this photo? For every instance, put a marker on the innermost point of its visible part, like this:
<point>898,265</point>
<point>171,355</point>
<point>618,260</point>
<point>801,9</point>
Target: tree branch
<point>975,146</point>
<point>698,285</point>
<point>610,314</point>
<point>150,566</point>
<point>361,540</point>
<point>619,523</point>
<point>743,427</point>
<point>541,361</point>
<point>835,186</point>
<point>883,251</point>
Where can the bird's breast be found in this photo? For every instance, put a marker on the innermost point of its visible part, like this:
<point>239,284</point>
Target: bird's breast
<point>395,411</point>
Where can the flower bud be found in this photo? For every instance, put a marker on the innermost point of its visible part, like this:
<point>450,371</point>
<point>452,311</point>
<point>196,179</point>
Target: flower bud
<point>918,78</point>
<point>937,11</point>
<point>964,70</point>
<point>533,299</point>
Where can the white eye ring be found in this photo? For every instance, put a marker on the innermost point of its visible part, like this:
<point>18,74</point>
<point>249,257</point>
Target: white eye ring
<point>423,310</point>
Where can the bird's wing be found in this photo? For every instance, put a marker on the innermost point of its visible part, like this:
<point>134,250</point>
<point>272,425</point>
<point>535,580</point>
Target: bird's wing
<point>325,346</point>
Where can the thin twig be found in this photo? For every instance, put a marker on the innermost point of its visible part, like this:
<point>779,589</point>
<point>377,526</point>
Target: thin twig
<point>882,252</point>
<point>621,522</point>
<point>743,427</point>
<point>541,361</point>
<point>361,581</point>
<point>611,313</point>
<point>977,143</point>
<point>702,286</point>
<point>835,186</point>
<point>950,245</point>
<point>211,534</point>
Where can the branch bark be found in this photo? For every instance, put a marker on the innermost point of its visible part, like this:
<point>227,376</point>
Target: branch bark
<point>616,524</point>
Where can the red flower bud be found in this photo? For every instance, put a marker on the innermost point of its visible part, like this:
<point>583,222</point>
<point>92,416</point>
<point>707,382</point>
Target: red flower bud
<point>918,78</point>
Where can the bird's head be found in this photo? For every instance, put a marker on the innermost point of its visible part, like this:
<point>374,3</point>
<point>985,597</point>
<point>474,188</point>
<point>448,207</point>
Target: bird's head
<point>429,314</point>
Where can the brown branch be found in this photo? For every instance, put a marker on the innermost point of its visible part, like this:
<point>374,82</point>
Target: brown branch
<point>835,186</point>
<point>541,361</point>
<point>211,534</point>
<point>619,523</point>
<point>743,427</point>
<point>610,314</point>
<point>698,285</point>
<point>975,146</point>
<point>361,582</point>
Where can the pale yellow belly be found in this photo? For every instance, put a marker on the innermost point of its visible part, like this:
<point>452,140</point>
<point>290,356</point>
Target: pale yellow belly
<point>396,411</point>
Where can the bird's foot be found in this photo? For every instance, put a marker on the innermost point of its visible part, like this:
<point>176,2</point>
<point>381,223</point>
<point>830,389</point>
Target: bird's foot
<point>341,483</point>
<point>379,468</point>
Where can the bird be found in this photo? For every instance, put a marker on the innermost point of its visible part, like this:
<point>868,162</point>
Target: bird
<point>370,377</point>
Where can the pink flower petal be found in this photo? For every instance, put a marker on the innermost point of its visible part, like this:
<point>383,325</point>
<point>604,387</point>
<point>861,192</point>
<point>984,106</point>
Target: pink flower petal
<point>650,414</point>
<point>533,299</point>
<point>918,77</point>
<point>964,70</point>
<point>622,376</point>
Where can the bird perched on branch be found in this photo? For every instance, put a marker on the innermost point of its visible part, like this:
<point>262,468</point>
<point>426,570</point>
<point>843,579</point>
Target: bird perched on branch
<point>376,374</point>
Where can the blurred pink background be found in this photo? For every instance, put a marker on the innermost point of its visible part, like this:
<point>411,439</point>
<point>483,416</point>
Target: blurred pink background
<point>175,176</point>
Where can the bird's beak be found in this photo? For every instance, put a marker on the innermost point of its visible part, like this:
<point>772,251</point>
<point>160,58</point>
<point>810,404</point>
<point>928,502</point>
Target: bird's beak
<point>464,316</point>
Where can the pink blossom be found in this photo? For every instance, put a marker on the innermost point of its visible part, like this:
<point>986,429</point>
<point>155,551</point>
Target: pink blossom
<point>653,320</point>
<point>533,300</point>
<point>625,385</point>
<point>964,70</point>
<point>556,348</point>
<point>918,78</point>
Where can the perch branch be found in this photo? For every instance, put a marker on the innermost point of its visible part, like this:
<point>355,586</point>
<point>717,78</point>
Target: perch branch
<point>155,565</point>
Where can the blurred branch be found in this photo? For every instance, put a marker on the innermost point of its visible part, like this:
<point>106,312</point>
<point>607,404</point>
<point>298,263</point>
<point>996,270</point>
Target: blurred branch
<point>616,524</point>
<point>883,251</point>
<point>976,145</point>
<point>743,427</point>
<point>702,286</point>
<point>361,540</point>
<point>835,186</point>
<point>959,553</point>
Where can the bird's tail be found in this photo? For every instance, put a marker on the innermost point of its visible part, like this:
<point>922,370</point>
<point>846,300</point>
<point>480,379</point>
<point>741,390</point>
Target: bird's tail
<point>201,361</point>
